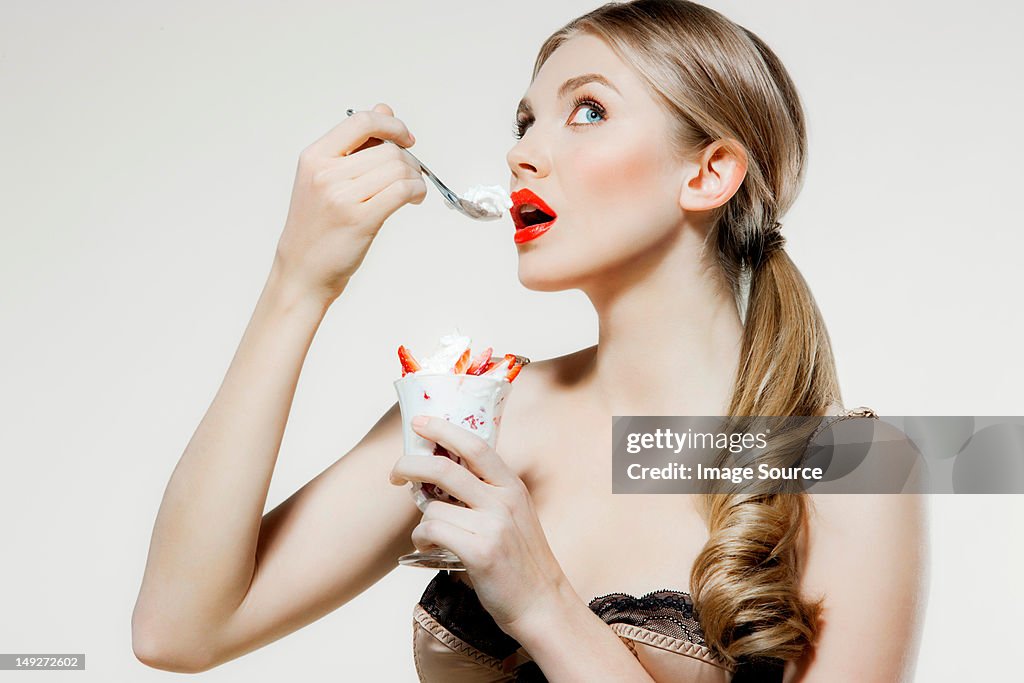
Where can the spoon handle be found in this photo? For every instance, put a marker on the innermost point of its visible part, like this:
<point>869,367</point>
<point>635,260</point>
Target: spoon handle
<point>450,196</point>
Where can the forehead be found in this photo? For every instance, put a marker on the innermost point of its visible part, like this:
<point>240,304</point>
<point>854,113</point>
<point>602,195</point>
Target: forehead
<point>581,54</point>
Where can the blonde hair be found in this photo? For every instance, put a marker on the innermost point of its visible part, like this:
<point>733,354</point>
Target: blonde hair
<point>719,81</point>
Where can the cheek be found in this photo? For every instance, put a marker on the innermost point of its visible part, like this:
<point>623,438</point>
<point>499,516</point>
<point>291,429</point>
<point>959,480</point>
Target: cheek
<point>620,184</point>
<point>624,196</point>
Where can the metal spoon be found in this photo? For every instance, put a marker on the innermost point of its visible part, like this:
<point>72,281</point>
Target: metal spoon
<point>469,208</point>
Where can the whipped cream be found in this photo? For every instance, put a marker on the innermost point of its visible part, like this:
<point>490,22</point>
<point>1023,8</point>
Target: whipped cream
<point>492,198</point>
<point>449,349</point>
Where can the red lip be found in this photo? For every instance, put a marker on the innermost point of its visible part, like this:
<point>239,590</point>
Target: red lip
<point>525,233</point>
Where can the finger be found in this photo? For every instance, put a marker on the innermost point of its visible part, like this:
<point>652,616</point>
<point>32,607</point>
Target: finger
<point>387,201</point>
<point>374,180</point>
<point>438,532</point>
<point>350,135</point>
<point>362,162</point>
<point>376,141</point>
<point>444,472</point>
<point>462,517</point>
<point>478,456</point>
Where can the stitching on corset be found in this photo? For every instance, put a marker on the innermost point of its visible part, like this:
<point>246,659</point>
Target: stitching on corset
<point>675,645</point>
<point>416,650</point>
<point>434,628</point>
<point>627,633</point>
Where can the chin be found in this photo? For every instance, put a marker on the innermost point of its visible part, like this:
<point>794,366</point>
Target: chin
<point>538,276</point>
<point>554,262</point>
<point>543,284</point>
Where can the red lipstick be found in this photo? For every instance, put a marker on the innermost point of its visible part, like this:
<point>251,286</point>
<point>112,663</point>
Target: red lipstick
<point>525,229</point>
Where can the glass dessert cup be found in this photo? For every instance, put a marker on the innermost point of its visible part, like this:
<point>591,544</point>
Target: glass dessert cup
<point>475,403</point>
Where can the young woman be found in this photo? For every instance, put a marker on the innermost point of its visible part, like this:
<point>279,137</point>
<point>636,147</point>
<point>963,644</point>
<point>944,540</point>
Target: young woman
<point>669,141</point>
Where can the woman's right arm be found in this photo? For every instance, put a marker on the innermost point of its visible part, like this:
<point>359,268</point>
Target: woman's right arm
<point>221,578</point>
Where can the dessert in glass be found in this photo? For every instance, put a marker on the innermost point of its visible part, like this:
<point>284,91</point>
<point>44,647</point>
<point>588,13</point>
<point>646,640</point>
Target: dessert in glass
<point>467,390</point>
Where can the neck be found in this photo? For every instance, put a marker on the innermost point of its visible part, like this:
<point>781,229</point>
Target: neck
<point>669,335</point>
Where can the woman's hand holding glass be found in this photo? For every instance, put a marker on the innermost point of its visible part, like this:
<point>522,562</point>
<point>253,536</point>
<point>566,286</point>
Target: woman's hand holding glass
<point>498,535</point>
<point>347,183</point>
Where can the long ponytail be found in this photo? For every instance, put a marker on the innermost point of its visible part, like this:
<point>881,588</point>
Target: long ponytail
<point>745,581</point>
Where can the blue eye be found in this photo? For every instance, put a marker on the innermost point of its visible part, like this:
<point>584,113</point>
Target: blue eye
<point>588,115</point>
<point>584,102</point>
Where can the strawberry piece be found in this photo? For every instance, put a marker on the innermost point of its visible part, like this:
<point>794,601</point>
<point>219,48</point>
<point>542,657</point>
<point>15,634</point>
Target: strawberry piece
<point>498,368</point>
<point>491,365</point>
<point>516,363</point>
<point>462,363</point>
<point>508,366</point>
<point>479,363</point>
<point>409,364</point>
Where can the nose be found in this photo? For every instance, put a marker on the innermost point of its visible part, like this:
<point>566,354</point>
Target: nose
<point>525,161</point>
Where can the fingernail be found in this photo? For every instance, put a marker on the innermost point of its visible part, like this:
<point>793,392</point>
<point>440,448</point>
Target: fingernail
<point>420,421</point>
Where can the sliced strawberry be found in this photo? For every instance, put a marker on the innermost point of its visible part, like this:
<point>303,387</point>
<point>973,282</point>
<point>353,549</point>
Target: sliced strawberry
<point>462,363</point>
<point>498,368</point>
<point>491,365</point>
<point>516,364</point>
<point>479,363</point>
<point>409,364</point>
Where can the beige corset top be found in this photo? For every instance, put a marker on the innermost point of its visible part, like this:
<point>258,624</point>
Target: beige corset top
<point>455,640</point>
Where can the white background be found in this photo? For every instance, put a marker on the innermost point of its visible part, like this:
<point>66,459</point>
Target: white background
<point>146,157</point>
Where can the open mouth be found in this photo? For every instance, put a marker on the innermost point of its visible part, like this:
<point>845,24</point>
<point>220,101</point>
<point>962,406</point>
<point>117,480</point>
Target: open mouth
<point>530,211</point>
<point>533,215</point>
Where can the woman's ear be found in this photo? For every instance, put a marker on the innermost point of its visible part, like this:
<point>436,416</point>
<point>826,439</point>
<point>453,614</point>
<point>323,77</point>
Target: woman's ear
<point>715,176</point>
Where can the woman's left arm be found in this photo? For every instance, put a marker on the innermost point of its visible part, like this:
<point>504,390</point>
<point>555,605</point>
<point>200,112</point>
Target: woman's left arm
<point>867,554</point>
<point>506,553</point>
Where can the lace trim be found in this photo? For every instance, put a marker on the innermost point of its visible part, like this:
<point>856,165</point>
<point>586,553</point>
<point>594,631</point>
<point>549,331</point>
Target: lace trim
<point>664,611</point>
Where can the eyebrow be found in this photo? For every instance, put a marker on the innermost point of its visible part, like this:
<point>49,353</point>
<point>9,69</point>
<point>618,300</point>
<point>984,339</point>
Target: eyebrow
<point>568,87</point>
